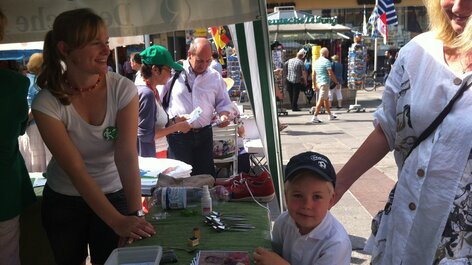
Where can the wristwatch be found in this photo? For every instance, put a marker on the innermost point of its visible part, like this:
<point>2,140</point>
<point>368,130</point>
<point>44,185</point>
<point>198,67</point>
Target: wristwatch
<point>138,213</point>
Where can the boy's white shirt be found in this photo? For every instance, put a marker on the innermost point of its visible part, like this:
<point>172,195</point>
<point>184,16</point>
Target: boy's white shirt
<point>328,243</point>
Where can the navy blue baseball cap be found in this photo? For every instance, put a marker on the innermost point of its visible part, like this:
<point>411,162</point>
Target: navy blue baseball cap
<point>311,161</point>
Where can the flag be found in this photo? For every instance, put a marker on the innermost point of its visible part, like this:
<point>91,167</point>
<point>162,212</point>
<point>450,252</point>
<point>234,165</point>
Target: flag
<point>387,7</point>
<point>364,25</point>
<point>382,26</point>
<point>378,25</point>
<point>373,21</point>
<point>220,38</point>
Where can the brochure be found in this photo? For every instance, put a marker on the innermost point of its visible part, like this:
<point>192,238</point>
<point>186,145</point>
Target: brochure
<point>221,257</point>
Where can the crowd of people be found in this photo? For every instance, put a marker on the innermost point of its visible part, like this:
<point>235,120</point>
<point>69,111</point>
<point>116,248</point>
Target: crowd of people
<point>323,77</point>
<point>89,119</point>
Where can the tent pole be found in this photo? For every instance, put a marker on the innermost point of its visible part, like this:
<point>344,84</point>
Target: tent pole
<point>175,51</point>
<point>116,60</point>
<point>375,44</point>
<point>375,54</point>
<point>147,41</point>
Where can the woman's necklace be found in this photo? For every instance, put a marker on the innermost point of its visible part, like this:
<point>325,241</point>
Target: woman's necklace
<point>84,89</point>
<point>154,91</point>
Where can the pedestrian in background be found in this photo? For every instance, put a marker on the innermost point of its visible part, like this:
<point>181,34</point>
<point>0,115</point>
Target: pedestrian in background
<point>88,118</point>
<point>322,77</point>
<point>296,80</point>
<point>127,69</point>
<point>215,63</point>
<point>337,68</point>
<point>427,217</point>
<point>388,63</point>
<point>32,147</point>
<point>136,63</point>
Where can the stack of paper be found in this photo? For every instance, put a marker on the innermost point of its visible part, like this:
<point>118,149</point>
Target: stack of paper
<point>151,167</point>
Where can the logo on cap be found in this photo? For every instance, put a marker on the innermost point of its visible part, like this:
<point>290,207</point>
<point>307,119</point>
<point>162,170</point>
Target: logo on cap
<point>321,161</point>
<point>311,161</point>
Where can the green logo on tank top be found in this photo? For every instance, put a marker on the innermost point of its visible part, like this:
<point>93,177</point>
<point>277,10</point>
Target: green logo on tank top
<point>110,133</point>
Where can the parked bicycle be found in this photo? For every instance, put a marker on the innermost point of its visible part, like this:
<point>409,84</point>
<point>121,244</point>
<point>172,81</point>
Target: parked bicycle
<point>371,82</point>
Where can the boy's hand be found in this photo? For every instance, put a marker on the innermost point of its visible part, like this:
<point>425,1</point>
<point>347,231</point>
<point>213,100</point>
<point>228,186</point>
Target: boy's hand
<point>263,256</point>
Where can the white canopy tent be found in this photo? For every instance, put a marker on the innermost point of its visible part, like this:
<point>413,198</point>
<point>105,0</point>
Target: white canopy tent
<point>38,45</point>
<point>249,29</point>
<point>34,45</point>
<point>309,28</point>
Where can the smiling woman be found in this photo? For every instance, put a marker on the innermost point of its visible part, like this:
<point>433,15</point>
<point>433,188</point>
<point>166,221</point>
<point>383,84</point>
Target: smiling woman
<point>87,117</point>
<point>427,217</point>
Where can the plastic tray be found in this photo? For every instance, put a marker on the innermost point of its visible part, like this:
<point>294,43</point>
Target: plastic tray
<point>135,255</point>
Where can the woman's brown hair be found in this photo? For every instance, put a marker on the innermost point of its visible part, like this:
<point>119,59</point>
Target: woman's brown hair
<point>76,28</point>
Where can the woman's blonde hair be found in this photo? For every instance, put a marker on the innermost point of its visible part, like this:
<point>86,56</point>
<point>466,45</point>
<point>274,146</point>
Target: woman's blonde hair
<point>76,28</point>
<point>441,25</point>
<point>35,63</point>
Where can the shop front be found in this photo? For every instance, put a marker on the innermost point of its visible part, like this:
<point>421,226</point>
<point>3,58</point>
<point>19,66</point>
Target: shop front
<point>292,30</point>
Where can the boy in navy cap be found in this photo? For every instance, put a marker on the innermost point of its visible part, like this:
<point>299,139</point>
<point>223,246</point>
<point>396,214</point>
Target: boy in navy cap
<point>307,233</point>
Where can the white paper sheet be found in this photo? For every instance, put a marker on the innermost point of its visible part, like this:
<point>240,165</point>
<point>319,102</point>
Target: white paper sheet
<point>152,167</point>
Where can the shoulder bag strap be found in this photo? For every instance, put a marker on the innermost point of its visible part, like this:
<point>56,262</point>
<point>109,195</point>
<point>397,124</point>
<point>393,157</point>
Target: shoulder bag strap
<point>426,133</point>
<point>166,99</point>
<point>441,116</point>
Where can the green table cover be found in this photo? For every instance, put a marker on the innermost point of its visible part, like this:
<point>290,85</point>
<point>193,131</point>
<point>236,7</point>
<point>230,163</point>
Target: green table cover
<point>174,231</point>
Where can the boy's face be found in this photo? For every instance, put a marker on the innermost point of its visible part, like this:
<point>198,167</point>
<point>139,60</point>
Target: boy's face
<point>308,200</point>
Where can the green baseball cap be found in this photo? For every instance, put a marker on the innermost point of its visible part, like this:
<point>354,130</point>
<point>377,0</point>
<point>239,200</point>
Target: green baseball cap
<point>159,55</point>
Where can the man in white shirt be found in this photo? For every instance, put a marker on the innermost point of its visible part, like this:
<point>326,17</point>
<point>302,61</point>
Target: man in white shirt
<point>196,86</point>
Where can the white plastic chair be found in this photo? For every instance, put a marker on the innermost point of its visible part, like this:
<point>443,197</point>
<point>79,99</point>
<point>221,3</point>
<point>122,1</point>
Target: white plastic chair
<point>225,147</point>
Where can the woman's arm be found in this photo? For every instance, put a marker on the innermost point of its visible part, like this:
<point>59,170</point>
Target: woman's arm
<point>182,126</point>
<point>374,148</point>
<point>126,160</point>
<point>126,154</point>
<point>147,116</point>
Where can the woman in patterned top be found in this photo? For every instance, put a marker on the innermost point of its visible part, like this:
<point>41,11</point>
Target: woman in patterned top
<point>428,219</point>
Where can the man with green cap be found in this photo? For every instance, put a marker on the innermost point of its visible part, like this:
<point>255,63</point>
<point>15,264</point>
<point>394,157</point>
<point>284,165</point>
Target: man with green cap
<point>155,70</point>
<point>197,86</point>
